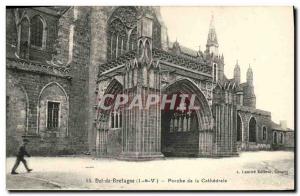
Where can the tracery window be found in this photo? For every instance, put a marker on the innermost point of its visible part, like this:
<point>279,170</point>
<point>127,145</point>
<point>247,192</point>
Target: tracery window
<point>31,33</point>
<point>36,31</point>
<point>122,32</point>
<point>24,38</point>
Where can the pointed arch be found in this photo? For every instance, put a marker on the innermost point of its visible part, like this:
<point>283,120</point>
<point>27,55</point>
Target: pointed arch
<point>114,87</point>
<point>53,97</point>
<point>240,127</point>
<point>23,37</point>
<point>120,32</point>
<point>187,86</point>
<point>38,31</point>
<point>252,129</point>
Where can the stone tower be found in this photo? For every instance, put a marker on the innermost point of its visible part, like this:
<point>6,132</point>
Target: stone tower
<point>249,95</point>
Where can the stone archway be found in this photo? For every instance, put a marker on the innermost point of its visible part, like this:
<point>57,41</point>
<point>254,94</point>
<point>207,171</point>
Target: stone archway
<point>109,123</point>
<point>239,129</point>
<point>52,111</point>
<point>184,133</point>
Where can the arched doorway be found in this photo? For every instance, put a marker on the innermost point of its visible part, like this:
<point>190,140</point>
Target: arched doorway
<point>183,129</point>
<point>252,130</point>
<point>109,122</point>
<point>239,129</point>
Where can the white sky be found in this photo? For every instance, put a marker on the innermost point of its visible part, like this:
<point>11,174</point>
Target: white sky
<point>260,36</point>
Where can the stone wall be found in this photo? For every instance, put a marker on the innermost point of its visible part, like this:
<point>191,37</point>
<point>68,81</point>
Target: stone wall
<point>225,129</point>
<point>76,27</point>
<point>71,137</point>
<point>98,46</point>
<point>53,93</point>
<point>288,140</point>
<point>180,143</point>
<point>263,119</point>
<point>27,86</point>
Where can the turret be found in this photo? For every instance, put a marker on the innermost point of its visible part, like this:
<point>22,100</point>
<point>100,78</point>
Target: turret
<point>249,95</point>
<point>249,76</point>
<point>237,73</point>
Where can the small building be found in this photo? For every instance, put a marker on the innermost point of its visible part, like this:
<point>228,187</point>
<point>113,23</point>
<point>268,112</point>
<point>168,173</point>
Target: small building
<point>283,137</point>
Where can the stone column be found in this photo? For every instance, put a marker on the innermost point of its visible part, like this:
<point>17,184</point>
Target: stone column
<point>142,135</point>
<point>98,47</point>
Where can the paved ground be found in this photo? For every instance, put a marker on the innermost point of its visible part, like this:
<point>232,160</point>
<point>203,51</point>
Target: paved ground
<point>252,170</point>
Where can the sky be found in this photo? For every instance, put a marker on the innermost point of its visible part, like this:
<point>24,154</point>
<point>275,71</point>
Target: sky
<point>261,37</point>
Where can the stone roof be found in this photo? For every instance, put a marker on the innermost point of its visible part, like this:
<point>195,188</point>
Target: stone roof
<point>189,51</point>
<point>185,50</point>
<point>182,61</point>
<point>253,110</point>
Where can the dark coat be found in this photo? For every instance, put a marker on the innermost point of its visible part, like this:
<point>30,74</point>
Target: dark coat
<point>22,152</point>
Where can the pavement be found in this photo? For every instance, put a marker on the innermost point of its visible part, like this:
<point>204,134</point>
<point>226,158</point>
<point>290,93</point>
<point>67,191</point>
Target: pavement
<point>250,171</point>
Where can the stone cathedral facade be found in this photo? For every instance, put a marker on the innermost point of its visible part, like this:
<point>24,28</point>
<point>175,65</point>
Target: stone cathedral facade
<point>60,62</point>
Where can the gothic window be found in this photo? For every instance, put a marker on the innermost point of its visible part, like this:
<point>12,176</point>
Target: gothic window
<point>275,138</point>
<point>52,114</point>
<point>122,32</point>
<point>24,38</point>
<point>252,130</point>
<point>215,72</point>
<point>37,31</point>
<point>281,138</point>
<point>264,133</point>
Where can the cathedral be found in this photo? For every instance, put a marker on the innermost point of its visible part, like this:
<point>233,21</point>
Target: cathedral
<point>61,62</point>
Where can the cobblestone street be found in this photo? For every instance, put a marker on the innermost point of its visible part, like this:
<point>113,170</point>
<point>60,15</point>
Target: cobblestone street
<point>249,171</point>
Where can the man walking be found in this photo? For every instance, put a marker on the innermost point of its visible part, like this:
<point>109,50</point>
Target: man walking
<point>20,158</point>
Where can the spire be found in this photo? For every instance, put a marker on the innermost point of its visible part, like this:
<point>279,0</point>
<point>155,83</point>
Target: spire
<point>237,66</point>
<point>212,35</point>
<point>237,73</point>
<point>212,41</point>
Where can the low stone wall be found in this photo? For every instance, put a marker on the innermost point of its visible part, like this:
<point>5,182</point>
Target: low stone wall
<point>251,146</point>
